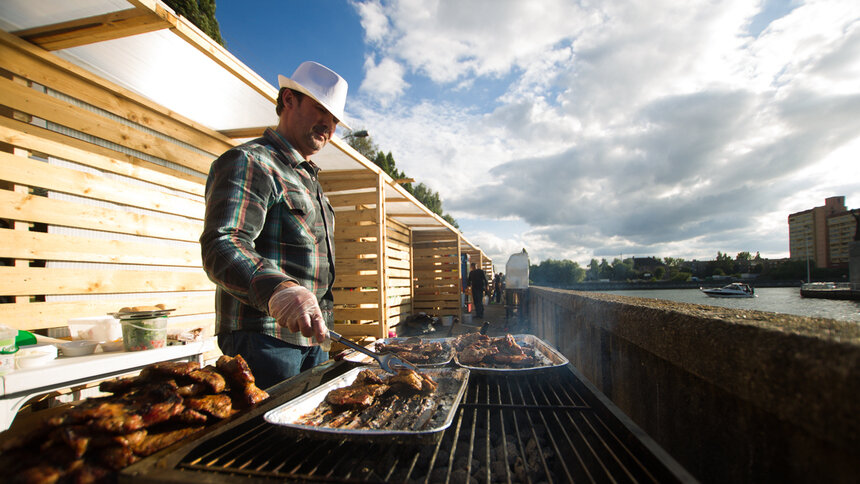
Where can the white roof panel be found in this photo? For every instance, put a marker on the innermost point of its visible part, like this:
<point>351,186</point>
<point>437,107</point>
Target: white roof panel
<point>166,69</point>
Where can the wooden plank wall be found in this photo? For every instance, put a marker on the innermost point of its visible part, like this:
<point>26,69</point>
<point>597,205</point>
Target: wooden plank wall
<point>101,202</point>
<point>398,270</point>
<point>360,237</point>
<point>436,266</point>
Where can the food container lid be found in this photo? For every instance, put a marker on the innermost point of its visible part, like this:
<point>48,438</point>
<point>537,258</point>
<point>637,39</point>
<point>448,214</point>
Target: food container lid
<point>141,314</point>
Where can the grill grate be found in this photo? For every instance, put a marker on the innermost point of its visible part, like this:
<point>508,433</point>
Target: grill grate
<point>546,427</point>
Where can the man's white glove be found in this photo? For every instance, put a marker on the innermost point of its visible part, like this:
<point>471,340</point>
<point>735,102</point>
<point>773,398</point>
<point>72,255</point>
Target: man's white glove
<point>296,308</point>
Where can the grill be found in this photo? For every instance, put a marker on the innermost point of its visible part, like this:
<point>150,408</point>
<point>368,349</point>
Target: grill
<point>549,427</point>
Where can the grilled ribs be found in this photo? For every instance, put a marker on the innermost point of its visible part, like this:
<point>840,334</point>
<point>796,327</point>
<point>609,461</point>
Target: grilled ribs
<point>504,352</point>
<point>356,396</point>
<point>220,406</point>
<point>401,401</point>
<point>415,351</point>
<point>92,440</point>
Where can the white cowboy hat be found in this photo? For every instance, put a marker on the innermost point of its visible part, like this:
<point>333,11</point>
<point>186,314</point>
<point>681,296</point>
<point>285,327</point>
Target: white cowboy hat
<point>322,84</point>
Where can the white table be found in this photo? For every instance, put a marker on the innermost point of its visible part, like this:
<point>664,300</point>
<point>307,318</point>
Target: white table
<point>18,386</point>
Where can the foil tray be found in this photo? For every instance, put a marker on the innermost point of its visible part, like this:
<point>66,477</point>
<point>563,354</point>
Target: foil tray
<point>357,357</point>
<point>549,357</point>
<point>452,385</point>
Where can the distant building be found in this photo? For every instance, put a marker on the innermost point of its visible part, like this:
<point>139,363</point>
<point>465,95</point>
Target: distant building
<point>823,234</point>
<point>647,264</point>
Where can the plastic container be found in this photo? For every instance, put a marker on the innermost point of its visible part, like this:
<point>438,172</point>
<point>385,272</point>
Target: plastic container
<point>7,340</point>
<point>116,345</point>
<point>144,334</point>
<point>96,328</point>
<point>34,356</point>
<point>7,363</point>
<point>78,347</point>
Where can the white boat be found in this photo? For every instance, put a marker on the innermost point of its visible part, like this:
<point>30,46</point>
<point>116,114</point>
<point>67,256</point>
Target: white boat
<point>735,289</point>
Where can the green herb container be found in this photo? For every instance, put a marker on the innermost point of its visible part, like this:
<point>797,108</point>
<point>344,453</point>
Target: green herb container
<point>144,333</point>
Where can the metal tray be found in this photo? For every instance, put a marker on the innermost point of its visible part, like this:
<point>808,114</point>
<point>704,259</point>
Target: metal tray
<point>448,356</point>
<point>452,385</point>
<point>549,356</point>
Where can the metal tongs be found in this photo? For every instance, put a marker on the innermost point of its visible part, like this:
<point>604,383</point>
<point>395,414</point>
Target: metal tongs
<point>387,361</point>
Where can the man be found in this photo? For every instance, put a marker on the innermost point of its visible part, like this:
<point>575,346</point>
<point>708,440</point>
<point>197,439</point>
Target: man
<point>267,239</point>
<point>478,282</point>
<point>497,288</point>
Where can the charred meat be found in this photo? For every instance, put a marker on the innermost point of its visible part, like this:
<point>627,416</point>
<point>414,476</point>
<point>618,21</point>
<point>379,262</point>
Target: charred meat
<point>475,349</point>
<point>92,440</point>
<point>376,401</point>
<point>414,350</point>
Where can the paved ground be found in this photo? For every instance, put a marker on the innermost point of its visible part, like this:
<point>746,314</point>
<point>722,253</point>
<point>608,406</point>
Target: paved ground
<point>494,315</point>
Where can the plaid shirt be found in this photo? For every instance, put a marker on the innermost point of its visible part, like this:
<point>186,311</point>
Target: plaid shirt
<point>267,221</point>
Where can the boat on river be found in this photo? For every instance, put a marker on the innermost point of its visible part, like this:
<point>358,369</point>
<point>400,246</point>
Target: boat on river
<point>735,289</point>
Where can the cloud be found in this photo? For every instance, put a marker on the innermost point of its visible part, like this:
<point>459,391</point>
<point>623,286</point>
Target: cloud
<point>383,80</point>
<point>657,128</point>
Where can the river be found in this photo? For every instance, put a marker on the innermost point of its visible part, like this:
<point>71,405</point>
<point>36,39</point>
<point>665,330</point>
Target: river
<point>784,300</point>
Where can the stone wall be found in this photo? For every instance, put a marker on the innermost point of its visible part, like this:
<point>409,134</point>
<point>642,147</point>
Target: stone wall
<point>734,396</point>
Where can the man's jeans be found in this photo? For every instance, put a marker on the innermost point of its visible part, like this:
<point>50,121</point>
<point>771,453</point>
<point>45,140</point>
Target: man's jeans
<point>271,360</point>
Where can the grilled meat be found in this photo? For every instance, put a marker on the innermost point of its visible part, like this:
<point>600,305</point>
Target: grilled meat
<point>220,406</point>
<point>367,377</point>
<point>40,475</point>
<point>236,370</point>
<point>169,369</point>
<point>508,345</point>
<point>116,457</point>
<point>479,350</point>
<point>413,380</point>
<point>193,389</point>
<point>356,396</point>
<point>514,360</point>
<point>119,386</point>
<point>241,381</point>
<point>248,396</point>
<point>210,377</point>
<point>469,339</point>
<point>477,353</point>
<point>160,440</point>
<point>416,351</point>
<point>92,440</point>
<point>401,401</point>
<point>190,417</point>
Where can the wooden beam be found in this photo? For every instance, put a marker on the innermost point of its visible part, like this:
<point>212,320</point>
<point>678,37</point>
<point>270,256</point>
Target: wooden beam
<point>400,214</point>
<point>254,132</point>
<point>90,30</point>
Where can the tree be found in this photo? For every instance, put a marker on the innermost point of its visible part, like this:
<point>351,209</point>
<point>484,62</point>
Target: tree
<point>622,269</point>
<point>605,270</point>
<point>558,273</point>
<point>362,144</point>
<point>593,272</point>
<point>201,13</point>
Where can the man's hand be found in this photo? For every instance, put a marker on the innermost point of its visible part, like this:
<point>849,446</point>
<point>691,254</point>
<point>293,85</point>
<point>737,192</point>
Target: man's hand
<point>296,308</point>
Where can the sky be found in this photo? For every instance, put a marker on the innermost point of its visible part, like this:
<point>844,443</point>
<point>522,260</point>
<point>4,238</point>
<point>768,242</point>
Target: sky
<point>594,128</point>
